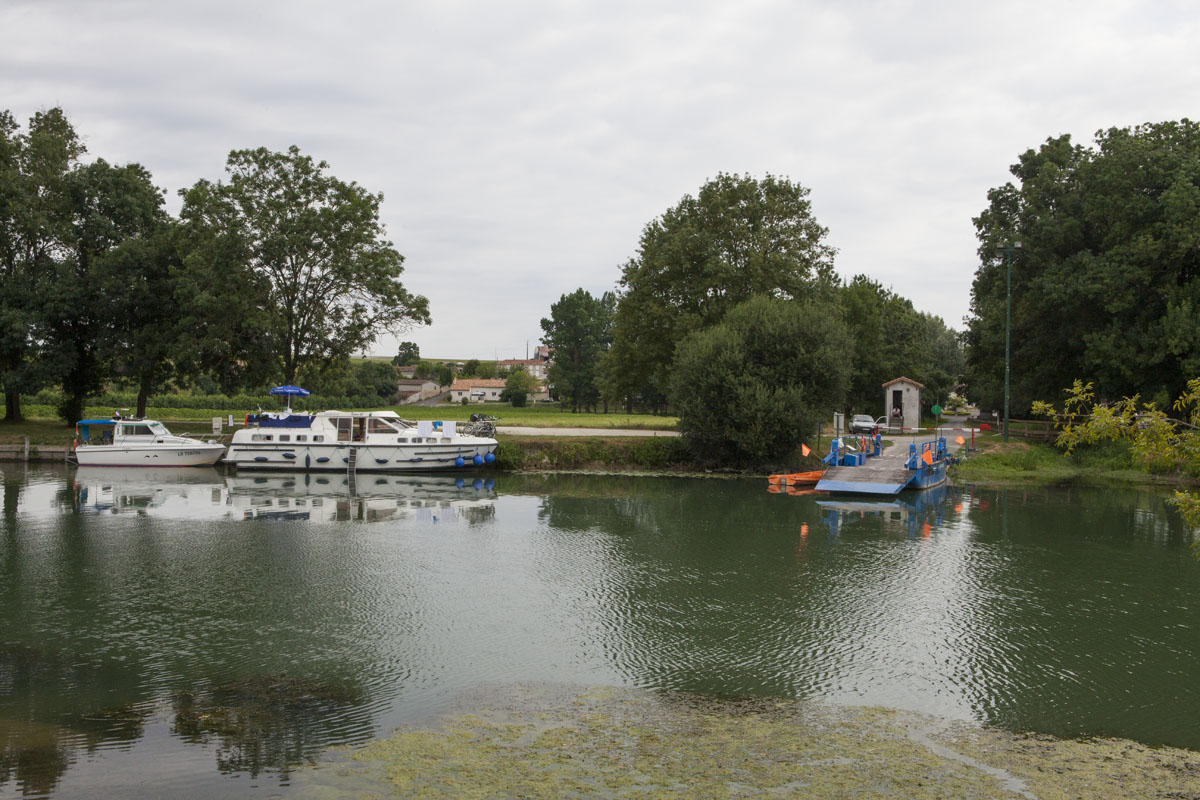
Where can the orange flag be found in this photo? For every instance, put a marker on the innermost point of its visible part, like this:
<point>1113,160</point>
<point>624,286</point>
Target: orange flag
<point>927,457</point>
<point>804,451</point>
<point>959,439</point>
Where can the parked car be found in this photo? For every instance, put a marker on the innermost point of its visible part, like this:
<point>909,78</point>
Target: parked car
<point>861,423</point>
<point>889,426</point>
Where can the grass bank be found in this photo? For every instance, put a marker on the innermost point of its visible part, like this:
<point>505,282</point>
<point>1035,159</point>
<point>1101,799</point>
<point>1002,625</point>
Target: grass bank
<point>1014,462</point>
<point>541,453</point>
<point>542,742</point>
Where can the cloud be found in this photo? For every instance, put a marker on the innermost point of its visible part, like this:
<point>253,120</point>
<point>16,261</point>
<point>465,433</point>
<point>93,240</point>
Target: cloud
<point>521,147</point>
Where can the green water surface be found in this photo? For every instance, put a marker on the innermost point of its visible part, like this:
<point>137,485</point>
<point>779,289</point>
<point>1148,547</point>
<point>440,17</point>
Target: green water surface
<point>206,634</point>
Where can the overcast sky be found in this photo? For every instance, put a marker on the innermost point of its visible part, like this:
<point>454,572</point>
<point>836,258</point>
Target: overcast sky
<point>521,147</point>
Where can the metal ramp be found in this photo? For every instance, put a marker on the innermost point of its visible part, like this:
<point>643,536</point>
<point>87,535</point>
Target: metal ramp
<point>351,468</point>
<point>885,474</point>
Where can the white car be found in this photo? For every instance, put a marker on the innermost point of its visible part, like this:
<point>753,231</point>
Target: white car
<point>861,423</point>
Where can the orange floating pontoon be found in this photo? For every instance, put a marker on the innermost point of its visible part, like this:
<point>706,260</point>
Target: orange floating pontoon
<point>796,478</point>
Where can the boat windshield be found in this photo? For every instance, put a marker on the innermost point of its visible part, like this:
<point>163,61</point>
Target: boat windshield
<point>378,425</point>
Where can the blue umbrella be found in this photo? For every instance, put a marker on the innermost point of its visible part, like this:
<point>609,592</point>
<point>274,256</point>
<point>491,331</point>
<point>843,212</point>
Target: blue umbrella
<point>291,391</point>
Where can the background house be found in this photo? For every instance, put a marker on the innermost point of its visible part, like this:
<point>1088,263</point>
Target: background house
<point>414,391</point>
<point>477,390</point>
<point>534,366</point>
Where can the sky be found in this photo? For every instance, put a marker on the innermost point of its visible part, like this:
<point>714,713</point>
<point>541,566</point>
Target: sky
<point>521,147</point>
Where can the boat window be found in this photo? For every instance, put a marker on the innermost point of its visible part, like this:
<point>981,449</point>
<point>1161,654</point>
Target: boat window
<point>136,430</point>
<point>402,440</point>
<point>379,426</point>
<point>319,438</point>
<point>301,438</point>
<point>445,438</point>
<point>343,428</point>
<point>260,437</point>
<point>284,437</point>
<point>159,428</point>
<point>417,440</point>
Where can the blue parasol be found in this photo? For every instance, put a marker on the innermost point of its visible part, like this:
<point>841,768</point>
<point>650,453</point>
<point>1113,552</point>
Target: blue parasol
<point>291,391</point>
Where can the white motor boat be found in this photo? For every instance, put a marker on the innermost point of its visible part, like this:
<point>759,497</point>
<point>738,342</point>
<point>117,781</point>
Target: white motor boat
<point>139,443</point>
<point>355,441</point>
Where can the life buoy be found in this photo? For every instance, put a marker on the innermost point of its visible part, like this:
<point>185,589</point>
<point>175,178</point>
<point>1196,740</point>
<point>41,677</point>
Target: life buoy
<point>247,420</point>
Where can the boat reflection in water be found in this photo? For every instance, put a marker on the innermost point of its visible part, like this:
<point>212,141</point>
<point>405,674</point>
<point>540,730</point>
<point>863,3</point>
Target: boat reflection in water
<point>208,494</point>
<point>917,513</point>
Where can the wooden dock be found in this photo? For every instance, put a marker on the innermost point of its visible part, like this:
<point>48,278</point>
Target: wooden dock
<point>884,474</point>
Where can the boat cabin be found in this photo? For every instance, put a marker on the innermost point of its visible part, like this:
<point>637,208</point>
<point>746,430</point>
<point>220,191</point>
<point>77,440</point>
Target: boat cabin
<point>122,430</point>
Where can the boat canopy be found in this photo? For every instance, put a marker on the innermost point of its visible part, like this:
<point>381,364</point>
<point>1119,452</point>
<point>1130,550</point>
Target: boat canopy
<point>290,391</point>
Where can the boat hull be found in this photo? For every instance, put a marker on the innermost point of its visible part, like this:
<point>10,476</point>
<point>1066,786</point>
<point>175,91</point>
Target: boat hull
<point>149,455</point>
<point>928,476</point>
<point>366,457</point>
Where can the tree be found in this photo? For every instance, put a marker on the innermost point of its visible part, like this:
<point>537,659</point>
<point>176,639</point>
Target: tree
<point>578,332</point>
<point>138,280</point>
<point>486,370</point>
<point>424,371</point>
<point>739,237</point>
<point>751,388</point>
<point>109,206</point>
<point>444,375</point>
<point>312,247</point>
<point>408,354</point>
<point>35,231</point>
<point>1106,281</point>
<point>471,368</point>
<point>377,378</point>
<point>517,387</point>
<point>890,339</point>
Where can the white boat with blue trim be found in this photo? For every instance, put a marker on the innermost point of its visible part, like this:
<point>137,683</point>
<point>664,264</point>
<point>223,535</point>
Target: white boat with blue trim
<point>120,442</point>
<point>358,441</point>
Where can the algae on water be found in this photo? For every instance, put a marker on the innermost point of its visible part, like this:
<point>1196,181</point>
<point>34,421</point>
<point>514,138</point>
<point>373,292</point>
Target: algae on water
<point>533,742</point>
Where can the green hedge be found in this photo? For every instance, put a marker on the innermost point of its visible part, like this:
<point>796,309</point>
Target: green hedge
<point>220,402</point>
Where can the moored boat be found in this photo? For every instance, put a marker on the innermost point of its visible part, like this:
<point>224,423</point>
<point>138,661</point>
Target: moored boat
<point>120,442</point>
<point>356,441</point>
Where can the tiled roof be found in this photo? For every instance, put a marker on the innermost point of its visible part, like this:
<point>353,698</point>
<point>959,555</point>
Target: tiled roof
<point>466,384</point>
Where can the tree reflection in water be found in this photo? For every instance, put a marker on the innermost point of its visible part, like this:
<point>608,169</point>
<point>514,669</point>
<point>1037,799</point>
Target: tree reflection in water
<point>263,723</point>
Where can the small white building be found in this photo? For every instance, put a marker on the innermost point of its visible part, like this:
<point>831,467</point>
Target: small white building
<point>477,390</point>
<point>414,391</point>
<point>902,403</point>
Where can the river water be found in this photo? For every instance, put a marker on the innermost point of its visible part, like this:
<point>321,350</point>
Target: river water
<point>206,634</point>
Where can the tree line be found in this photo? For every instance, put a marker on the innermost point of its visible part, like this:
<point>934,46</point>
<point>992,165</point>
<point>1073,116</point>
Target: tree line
<point>731,314</point>
<point>1102,244</point>
<point>279,273</point>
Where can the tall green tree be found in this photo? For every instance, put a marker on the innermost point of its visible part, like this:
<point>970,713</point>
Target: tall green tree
<point>109,205</point>
<point>738,237</point>
<point>890,339</point>
<point>139,283</point>
<point>1106,282</point>
<point>35,234</point>
<point>312,251</point>
<point>408,353</point>
<point>751,388</point>
<point>578,332</point>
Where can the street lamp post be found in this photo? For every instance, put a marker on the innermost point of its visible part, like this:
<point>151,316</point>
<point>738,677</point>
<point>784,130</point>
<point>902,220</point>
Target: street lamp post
<point>1008,253</point>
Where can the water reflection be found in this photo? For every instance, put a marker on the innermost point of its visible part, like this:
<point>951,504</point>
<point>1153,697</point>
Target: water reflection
<point>236,626</point>
<point>337,497</point>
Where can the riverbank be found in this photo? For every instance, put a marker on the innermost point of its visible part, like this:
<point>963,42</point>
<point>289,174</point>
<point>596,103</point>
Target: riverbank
<point>1024,463</point>
<point>547,742</point>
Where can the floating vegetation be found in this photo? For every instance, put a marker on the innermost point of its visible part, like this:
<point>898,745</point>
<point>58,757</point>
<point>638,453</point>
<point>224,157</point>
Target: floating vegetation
<point>616,743</point>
